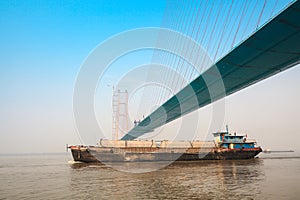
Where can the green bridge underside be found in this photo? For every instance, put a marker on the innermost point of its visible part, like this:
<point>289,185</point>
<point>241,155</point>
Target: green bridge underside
<point>273,48</point>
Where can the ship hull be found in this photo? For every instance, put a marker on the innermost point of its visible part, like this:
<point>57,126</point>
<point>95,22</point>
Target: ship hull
<point>102,154</point>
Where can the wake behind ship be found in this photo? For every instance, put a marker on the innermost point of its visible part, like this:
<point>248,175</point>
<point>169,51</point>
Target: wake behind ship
<point>225,146</point>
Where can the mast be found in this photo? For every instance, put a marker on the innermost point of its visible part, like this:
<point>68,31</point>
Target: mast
<point>227,129</point>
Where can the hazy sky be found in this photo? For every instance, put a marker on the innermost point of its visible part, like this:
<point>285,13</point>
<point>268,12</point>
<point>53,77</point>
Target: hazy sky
<point>44,43</point>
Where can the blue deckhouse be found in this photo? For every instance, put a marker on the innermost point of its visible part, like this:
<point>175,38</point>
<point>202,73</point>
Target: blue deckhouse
<point>233,141</point>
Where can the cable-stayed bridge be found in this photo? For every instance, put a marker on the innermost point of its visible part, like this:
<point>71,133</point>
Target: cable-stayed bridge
<point>272,49</point>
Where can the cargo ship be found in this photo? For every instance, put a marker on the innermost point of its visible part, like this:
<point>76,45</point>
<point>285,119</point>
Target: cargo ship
<point>225,146</point>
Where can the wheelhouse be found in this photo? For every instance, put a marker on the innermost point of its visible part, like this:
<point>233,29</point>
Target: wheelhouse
<point>233,141</point>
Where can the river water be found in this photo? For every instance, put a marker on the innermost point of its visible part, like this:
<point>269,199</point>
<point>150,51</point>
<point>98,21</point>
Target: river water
<point>54,176</point>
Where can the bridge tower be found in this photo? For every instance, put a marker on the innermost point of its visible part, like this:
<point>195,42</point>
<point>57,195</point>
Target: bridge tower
<point>120,119</point>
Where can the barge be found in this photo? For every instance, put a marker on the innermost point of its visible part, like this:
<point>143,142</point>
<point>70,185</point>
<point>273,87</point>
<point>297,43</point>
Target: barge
<point>225,146</point>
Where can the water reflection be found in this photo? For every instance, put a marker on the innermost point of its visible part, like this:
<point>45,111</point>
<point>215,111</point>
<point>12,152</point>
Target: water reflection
<point>202,179</point>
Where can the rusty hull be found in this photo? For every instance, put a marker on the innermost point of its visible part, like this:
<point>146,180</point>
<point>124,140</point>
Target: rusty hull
<point>147,154</point>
